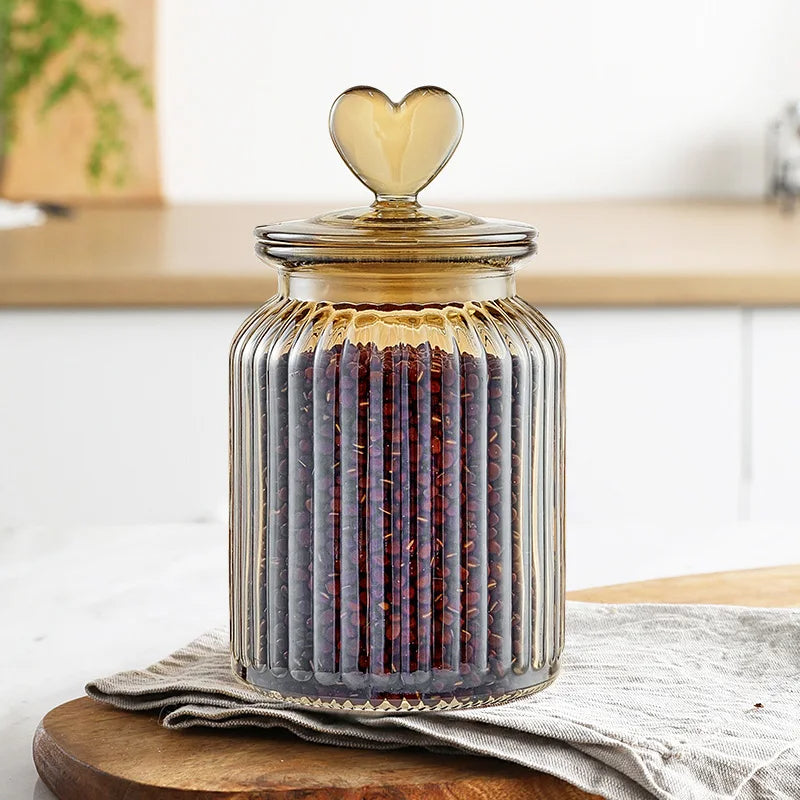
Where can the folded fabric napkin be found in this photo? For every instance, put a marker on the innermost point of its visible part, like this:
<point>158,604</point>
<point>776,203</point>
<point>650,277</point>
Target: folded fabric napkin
<point>669,701</point>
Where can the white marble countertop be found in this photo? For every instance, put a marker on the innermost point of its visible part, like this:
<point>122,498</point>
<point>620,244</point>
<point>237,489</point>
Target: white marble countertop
<point>82,602</point>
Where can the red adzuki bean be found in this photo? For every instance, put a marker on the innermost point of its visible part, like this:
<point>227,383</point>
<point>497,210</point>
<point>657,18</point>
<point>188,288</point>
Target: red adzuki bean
<point>392,560</point>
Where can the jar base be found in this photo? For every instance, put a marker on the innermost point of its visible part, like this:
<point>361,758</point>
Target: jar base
<point>397,702</point>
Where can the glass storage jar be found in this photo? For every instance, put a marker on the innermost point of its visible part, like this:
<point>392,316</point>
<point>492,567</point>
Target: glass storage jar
<point>397,444</point>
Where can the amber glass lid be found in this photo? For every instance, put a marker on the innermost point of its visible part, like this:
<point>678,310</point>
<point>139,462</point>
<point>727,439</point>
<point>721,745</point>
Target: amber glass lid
<point>396,150</point>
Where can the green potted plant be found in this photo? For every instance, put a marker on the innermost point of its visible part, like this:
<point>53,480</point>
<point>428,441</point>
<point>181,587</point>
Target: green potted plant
<point>81,46</point>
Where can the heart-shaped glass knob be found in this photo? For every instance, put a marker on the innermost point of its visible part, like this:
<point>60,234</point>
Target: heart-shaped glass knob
<point>396,149</point>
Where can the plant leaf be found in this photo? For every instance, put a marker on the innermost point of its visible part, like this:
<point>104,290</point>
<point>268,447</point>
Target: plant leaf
<point>32,35</point>
<point>64,86</point>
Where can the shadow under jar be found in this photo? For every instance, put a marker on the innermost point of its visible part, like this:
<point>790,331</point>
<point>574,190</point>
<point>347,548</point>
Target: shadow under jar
<point>397,466</point>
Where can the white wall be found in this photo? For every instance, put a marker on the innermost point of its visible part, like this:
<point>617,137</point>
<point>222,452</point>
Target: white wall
<point>562,99</point>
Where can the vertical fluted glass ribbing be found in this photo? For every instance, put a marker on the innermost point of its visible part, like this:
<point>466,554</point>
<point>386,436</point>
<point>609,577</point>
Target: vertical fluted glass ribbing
<point>396,482</point>
<point>549,488</point>
<point>245,518</point>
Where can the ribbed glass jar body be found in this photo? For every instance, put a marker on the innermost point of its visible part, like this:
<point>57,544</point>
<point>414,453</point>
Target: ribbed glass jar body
<point>397,496</point>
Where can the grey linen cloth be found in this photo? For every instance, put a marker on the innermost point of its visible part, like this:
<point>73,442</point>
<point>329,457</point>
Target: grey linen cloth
<point>668,701</point>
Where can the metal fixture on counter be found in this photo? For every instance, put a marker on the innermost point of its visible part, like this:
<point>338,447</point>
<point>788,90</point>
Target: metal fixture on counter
<point>783,157</point>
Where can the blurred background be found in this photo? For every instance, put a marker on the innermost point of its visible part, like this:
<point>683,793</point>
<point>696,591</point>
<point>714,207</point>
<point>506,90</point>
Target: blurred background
<point>146,138</point>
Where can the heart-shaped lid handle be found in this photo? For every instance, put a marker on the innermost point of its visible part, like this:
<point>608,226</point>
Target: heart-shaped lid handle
<point>396,149</point>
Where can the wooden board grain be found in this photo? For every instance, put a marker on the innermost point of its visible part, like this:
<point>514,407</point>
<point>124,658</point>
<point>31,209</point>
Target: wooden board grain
<point>769,587</point>
<point>86,751</point>
<point>47,161</point>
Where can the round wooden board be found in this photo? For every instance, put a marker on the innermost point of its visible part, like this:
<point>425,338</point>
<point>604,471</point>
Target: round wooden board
<point>87,751</point>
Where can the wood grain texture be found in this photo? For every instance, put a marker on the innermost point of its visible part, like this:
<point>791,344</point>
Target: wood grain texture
<point>769,587</point>
<point>590,253</point>
<point>86,751</point>
<point>48,158</point>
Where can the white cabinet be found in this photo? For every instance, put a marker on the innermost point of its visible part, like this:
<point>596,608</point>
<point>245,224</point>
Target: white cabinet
<point>120,415</point>
<point>653,414</point>
<point>773,448</point>
<point>113,416</point>
<point>683,429</point>
<point>654,441</point>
